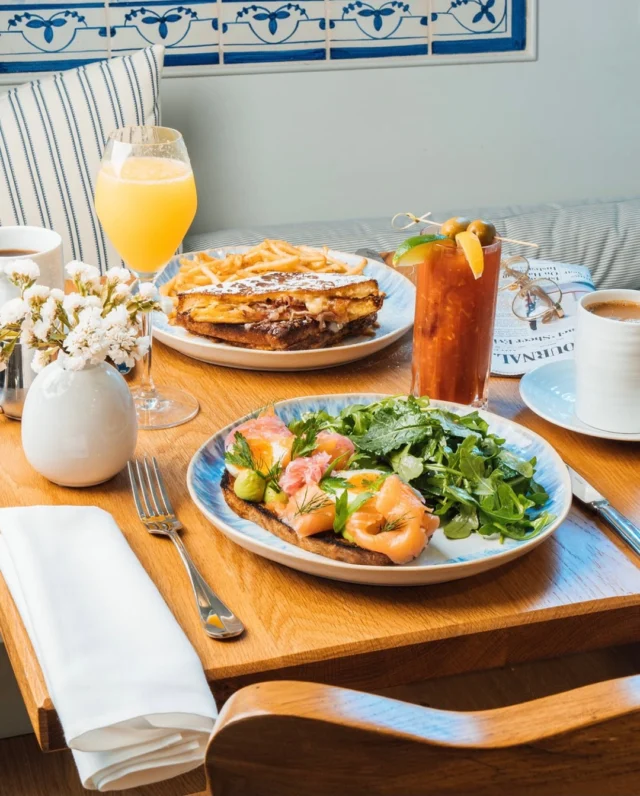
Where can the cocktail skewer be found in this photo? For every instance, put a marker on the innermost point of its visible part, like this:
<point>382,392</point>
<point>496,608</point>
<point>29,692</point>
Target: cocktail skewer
<point>425,218</point>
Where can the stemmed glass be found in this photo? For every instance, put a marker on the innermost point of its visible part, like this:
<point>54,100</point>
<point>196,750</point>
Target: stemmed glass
<point>146,200</point>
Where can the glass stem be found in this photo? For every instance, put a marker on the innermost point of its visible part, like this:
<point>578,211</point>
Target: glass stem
<point>145,382</point>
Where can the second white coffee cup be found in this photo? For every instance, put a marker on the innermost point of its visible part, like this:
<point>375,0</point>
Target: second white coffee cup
<point>607,356</point>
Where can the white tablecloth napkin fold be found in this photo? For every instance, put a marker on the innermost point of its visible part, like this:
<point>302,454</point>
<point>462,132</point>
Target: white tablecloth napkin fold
<point>127,684</point>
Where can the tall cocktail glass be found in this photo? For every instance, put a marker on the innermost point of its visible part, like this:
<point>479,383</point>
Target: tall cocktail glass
<point>146,200</point>
<point>453,331</point>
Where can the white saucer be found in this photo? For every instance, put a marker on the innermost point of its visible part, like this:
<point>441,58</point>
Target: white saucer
<point>550,391</point>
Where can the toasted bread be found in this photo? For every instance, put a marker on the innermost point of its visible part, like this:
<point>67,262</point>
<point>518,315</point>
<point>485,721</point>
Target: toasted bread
<point>328,544</point>
<point>282,310</point>
<point>273,284</point>
<point>301,333</point>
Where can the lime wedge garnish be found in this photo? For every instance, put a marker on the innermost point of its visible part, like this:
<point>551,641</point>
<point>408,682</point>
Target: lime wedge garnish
<point>414,250</point>
<point>472,248</point>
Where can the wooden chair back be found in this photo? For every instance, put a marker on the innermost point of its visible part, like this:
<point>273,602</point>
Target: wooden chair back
<point>305,739</point>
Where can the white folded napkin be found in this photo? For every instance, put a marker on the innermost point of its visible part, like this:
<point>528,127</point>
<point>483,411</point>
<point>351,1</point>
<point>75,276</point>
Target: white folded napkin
<point>127,684</point>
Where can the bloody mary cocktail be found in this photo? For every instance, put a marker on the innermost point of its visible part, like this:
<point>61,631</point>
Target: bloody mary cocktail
<point>453,331</point>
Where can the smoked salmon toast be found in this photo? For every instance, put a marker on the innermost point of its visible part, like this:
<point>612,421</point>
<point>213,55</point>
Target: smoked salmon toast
<point>328,544</point>
<point>295,487</point>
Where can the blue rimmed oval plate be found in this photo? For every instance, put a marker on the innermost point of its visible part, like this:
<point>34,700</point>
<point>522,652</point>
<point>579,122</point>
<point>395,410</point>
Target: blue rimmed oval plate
<point>442,560</point>
<point>395,318</point>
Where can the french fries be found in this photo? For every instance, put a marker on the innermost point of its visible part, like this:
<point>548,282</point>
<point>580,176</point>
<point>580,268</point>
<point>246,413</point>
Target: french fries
<point>202,269</point>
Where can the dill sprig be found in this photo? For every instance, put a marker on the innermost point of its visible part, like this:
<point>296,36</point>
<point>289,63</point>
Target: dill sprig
<point>309,505</point>
<point>240,453</point>
<point>395,525</point>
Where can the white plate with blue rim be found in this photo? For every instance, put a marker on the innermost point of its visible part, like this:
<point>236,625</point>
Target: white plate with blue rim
<point>550,391</point>
<point>394,319</point>
<point>442,560</point>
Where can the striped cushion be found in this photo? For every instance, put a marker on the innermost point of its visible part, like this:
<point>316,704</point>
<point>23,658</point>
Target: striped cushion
<point>52,135</point>
<point>604,236</point>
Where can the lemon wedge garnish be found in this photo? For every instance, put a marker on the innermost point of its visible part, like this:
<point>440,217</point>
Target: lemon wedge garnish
<point>414,250</point>
<point>472,248</point>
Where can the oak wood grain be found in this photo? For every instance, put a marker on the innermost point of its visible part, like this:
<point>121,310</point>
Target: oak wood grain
<point>23,767</point>
<point>25,771</point>
<point>578,591</point>
<point>272,736</point>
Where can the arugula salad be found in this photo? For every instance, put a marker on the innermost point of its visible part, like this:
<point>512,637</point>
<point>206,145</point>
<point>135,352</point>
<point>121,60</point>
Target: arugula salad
<point>466,474</point>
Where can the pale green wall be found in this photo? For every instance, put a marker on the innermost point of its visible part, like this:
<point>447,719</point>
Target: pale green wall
<point>344,144</point>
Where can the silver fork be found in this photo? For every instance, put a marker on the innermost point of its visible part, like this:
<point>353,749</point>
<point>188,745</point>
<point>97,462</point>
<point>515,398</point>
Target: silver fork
<point>156,512</point>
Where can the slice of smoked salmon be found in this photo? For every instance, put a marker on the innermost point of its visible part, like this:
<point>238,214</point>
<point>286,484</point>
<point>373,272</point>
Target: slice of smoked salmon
<point>304,471</point>
<point>394,492</point>
<point>366,520</point>
<point>398,504</point>
<point>336,445</point>
<point>310,511</point>
<point>430,523</point>
<point>400,546</point>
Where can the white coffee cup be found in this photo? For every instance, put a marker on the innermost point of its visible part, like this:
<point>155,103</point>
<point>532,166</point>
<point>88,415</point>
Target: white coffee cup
<point>607,356</point>
<point>46,248</point>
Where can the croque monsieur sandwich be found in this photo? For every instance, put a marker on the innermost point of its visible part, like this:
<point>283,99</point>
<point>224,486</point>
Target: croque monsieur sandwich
<point>282,311</point>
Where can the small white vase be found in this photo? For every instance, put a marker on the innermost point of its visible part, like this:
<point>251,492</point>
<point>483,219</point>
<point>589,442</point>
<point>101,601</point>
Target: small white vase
<point>79,428</point>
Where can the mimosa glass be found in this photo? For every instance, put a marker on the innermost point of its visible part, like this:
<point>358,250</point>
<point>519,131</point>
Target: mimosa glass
<point>146,200</point>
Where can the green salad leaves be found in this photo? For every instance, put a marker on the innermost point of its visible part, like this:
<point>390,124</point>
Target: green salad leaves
<point>465,473</point>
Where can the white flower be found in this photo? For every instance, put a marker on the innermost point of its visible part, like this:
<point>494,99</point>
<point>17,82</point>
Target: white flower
<point>73,302</point>
<point>86,275</point>
<point>52,305</point>
<point>57,294</point>
<point>122,336</point>
<point>148,291</point>
<point>116,276</point>
<point>121,291</point>
<point>93,302</point>
<point>13,311</point>
<point>26,336</point>
<point>42,328</point>
<point>73,363</point>
<point>41,359</point>
<point>117,316</point>
<point>26,270</point>
<point>142,347</point>
<point>48,312</point>
<point>36,293</point>
<point>87,342</point>
<point>166,304</point>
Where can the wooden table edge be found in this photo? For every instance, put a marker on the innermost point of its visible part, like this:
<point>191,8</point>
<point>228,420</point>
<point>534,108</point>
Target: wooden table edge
<point>424,638</point>
<point>443,645</point>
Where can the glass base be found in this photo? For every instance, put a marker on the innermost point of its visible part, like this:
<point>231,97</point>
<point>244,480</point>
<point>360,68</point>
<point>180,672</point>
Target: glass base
<point>164,408</point>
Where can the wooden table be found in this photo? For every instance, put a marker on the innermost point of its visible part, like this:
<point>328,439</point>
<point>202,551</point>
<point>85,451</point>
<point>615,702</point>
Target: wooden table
<point>578,591</point>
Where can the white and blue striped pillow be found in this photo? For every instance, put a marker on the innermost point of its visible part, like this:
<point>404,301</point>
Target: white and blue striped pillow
<point>52,135</point>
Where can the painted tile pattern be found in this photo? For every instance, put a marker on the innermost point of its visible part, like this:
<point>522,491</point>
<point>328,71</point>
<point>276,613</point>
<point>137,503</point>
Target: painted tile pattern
<point>219,35</point>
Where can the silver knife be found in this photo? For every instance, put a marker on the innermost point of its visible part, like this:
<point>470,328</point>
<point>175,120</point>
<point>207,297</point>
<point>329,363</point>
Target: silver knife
<point>586,494</point>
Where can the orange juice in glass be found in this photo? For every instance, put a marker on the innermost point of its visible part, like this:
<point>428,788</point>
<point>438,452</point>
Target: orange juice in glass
<point>455,315</point>
<point>146,200</point>
<point>145,207</point>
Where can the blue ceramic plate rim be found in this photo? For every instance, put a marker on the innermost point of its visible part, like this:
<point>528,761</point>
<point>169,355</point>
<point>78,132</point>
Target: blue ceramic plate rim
<point>231,524</point>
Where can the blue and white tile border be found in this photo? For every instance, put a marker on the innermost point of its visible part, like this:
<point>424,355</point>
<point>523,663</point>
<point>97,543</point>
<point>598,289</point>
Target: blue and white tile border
<point>229,36</point>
